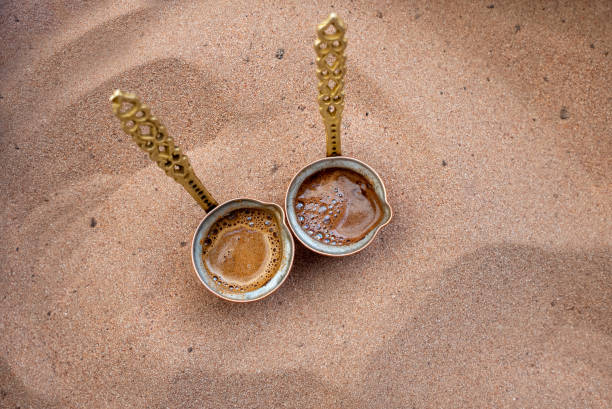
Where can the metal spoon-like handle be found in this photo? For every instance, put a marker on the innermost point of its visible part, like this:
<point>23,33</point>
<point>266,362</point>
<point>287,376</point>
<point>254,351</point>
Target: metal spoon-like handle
<point>152,137</point>
<point>329,46</point>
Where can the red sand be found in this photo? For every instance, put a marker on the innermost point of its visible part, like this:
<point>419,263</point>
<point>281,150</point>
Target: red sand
<point>491,287</point>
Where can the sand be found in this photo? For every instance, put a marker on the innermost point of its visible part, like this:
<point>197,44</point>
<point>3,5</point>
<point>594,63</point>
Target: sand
<point>489,123</point>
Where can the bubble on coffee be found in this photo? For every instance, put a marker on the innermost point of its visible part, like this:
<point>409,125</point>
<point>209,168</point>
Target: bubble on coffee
<point>337,206</point>
<point>242,250</point>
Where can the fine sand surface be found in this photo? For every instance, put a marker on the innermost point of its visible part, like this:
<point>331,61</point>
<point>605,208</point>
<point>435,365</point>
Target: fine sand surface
<point>489,122</point>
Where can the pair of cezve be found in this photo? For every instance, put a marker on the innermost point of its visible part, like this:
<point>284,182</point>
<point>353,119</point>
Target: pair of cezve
<point>243,250</point>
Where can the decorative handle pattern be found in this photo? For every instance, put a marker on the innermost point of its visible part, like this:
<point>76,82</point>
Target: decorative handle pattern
<point>151,136</point>
<point>329,46</point>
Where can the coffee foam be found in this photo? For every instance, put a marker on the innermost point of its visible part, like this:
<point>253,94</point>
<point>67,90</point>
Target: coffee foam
<point>337,206</point>
<point>254,221</point>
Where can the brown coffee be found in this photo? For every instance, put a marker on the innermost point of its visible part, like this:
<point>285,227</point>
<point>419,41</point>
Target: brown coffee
<point>337,206</point>
<point>243,250</point>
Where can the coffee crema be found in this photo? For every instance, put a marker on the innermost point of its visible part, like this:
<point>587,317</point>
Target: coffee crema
<point>337,206</point>
<point>242,250</point>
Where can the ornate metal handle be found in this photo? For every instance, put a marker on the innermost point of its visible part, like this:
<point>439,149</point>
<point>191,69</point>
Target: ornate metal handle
<point>329,46</point>
<point>152,137</point>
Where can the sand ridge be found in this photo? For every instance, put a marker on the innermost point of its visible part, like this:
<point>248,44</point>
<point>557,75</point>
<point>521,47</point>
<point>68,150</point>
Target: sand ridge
<point>491,286</point>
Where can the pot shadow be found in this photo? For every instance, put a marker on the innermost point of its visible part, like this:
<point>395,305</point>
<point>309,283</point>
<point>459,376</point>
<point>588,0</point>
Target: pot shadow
<point>312,276</point>
<point>308,267</point>
<point>304,261</point>
<point>507,325</point>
